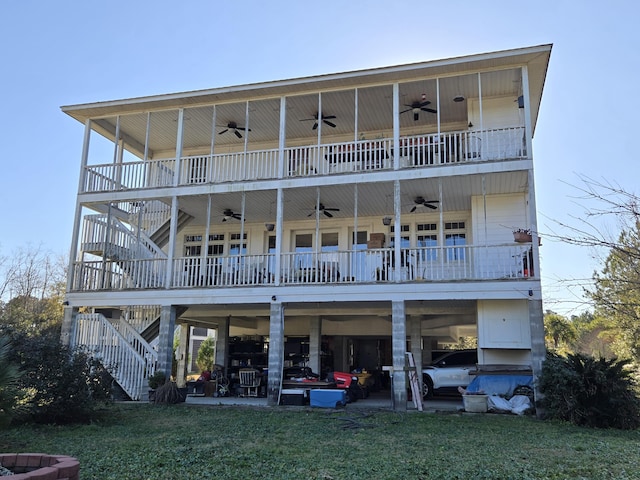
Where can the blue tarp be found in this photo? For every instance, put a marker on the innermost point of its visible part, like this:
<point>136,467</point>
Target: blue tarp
<point>502,385</point>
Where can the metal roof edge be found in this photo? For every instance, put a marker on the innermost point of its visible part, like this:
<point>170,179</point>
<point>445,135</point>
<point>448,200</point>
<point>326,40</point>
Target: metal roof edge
<point>533,50</point>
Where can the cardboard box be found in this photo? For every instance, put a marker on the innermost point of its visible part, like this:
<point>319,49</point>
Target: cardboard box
<point>377,237</point>
<point>375,244</point>
<point>326,398</point>
<point>293,396</point>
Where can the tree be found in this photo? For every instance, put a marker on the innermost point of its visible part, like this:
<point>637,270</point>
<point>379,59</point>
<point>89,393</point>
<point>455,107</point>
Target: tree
<point>32,287</point>
<point>558,331</point>
<point>206,354</point>
<point>595,335</point>
<point>615,293</point>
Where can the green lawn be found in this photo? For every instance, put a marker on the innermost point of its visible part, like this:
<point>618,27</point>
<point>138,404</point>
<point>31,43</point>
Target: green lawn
<point>145,441</point>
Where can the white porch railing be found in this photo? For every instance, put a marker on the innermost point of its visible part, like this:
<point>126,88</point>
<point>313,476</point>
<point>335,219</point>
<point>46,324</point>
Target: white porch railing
<point>129,358</point>
<point>324,159</point>
<point>469,262</point>
<point>119,274</point>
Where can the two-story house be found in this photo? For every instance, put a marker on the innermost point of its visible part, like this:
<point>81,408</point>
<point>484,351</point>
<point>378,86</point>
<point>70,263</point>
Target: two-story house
<point>335,220</point>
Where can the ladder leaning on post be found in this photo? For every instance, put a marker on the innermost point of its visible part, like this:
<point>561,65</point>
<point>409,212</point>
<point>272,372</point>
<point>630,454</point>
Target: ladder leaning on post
<point>416,394</point>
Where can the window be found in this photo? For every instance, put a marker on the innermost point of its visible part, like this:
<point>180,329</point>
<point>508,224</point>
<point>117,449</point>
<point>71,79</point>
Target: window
<point>455,236</point>
<point>304,250</point>
<point>216,245</point>
<point>404,239</point>
<point>192,245</point>
<point>234,248</point>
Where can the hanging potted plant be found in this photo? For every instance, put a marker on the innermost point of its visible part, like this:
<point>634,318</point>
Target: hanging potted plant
<point>523,236</point>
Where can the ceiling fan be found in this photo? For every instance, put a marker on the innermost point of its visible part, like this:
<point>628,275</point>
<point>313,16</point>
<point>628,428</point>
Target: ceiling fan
<point>234,127</point>
<point>229,214</point>
<point>420,201</point>
<point>417,107</point>
<point>325,120</point>
<point>325,210</point>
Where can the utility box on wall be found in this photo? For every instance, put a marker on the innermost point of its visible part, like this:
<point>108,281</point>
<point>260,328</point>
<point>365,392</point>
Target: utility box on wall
<point>504,324</point>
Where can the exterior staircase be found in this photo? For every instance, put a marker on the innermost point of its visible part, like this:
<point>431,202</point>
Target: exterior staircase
<point>130,359</point>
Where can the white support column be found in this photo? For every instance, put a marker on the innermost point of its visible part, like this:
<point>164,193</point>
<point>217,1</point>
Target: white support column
<point>77,219</point>
<point>173,228</point>
<point>183,355</point>
<point>276,353</point>
<point>397,234</point>
<point>396,126</point>
<point>279,229</point>
<point>179,143</point>
<point>315,344</point>
<point>399,348</point>
<point>165,342</point>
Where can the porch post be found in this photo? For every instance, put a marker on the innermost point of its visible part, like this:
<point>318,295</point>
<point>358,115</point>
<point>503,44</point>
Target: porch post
<point>222,343</point>
<point>276,353</point>
<point>315,340</point>
<point>183,355</point>
<point>165,342</point>
<point>68,325</point>
<point>416,344</point>
<point>399,348</point>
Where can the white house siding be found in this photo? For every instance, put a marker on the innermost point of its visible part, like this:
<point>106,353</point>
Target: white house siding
<point>494,218</point>
<point>504,336</point>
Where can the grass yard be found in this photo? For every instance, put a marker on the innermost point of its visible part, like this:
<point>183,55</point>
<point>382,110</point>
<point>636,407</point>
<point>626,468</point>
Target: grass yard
<point>145,441</point>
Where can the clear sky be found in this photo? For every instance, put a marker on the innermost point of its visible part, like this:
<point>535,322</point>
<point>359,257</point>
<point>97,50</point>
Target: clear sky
<point>71,52</point>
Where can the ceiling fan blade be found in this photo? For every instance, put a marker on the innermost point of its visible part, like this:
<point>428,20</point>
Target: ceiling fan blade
<point>332,209</point>
<point>432,207</point>
<point>223,131</point>
<point>238,134</point>
<point>425,103</point>
<point>407,110</point>
<point>430,110</point>
<point>413,209</point>
<point>311,214</point>
<point>315,126</point>
<point>333,125</point>
<point>328,117</point>
<point>327,214</point>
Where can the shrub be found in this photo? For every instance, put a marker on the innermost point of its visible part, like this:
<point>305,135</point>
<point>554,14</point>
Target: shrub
<point>8,378</point>
<point>58,385</point>
<point>169,394</point>
<point>157,380</point>
<point>591,392</point>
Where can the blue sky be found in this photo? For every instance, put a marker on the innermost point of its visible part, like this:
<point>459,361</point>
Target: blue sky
<point>64,53</point>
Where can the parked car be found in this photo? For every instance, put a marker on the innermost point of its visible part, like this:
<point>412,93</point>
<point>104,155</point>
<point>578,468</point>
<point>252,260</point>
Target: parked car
<point>448,372</point>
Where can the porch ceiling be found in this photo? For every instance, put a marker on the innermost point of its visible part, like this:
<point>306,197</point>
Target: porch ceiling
<point>436,314</point>
<point>374,199</point>
<point>374,102</point>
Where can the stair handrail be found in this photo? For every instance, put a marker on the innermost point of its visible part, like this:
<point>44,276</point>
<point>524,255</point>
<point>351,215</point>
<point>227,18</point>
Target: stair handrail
<point>154,215</point>
<point>122,238</point>
<point>131,363</point>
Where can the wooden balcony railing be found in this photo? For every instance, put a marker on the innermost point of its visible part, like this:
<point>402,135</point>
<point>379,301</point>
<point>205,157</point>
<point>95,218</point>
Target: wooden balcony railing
<point>415,151</point>
<point>428,264</point>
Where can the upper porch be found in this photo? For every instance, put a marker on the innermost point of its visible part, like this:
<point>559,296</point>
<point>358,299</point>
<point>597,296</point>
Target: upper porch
<point>461,110</point>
